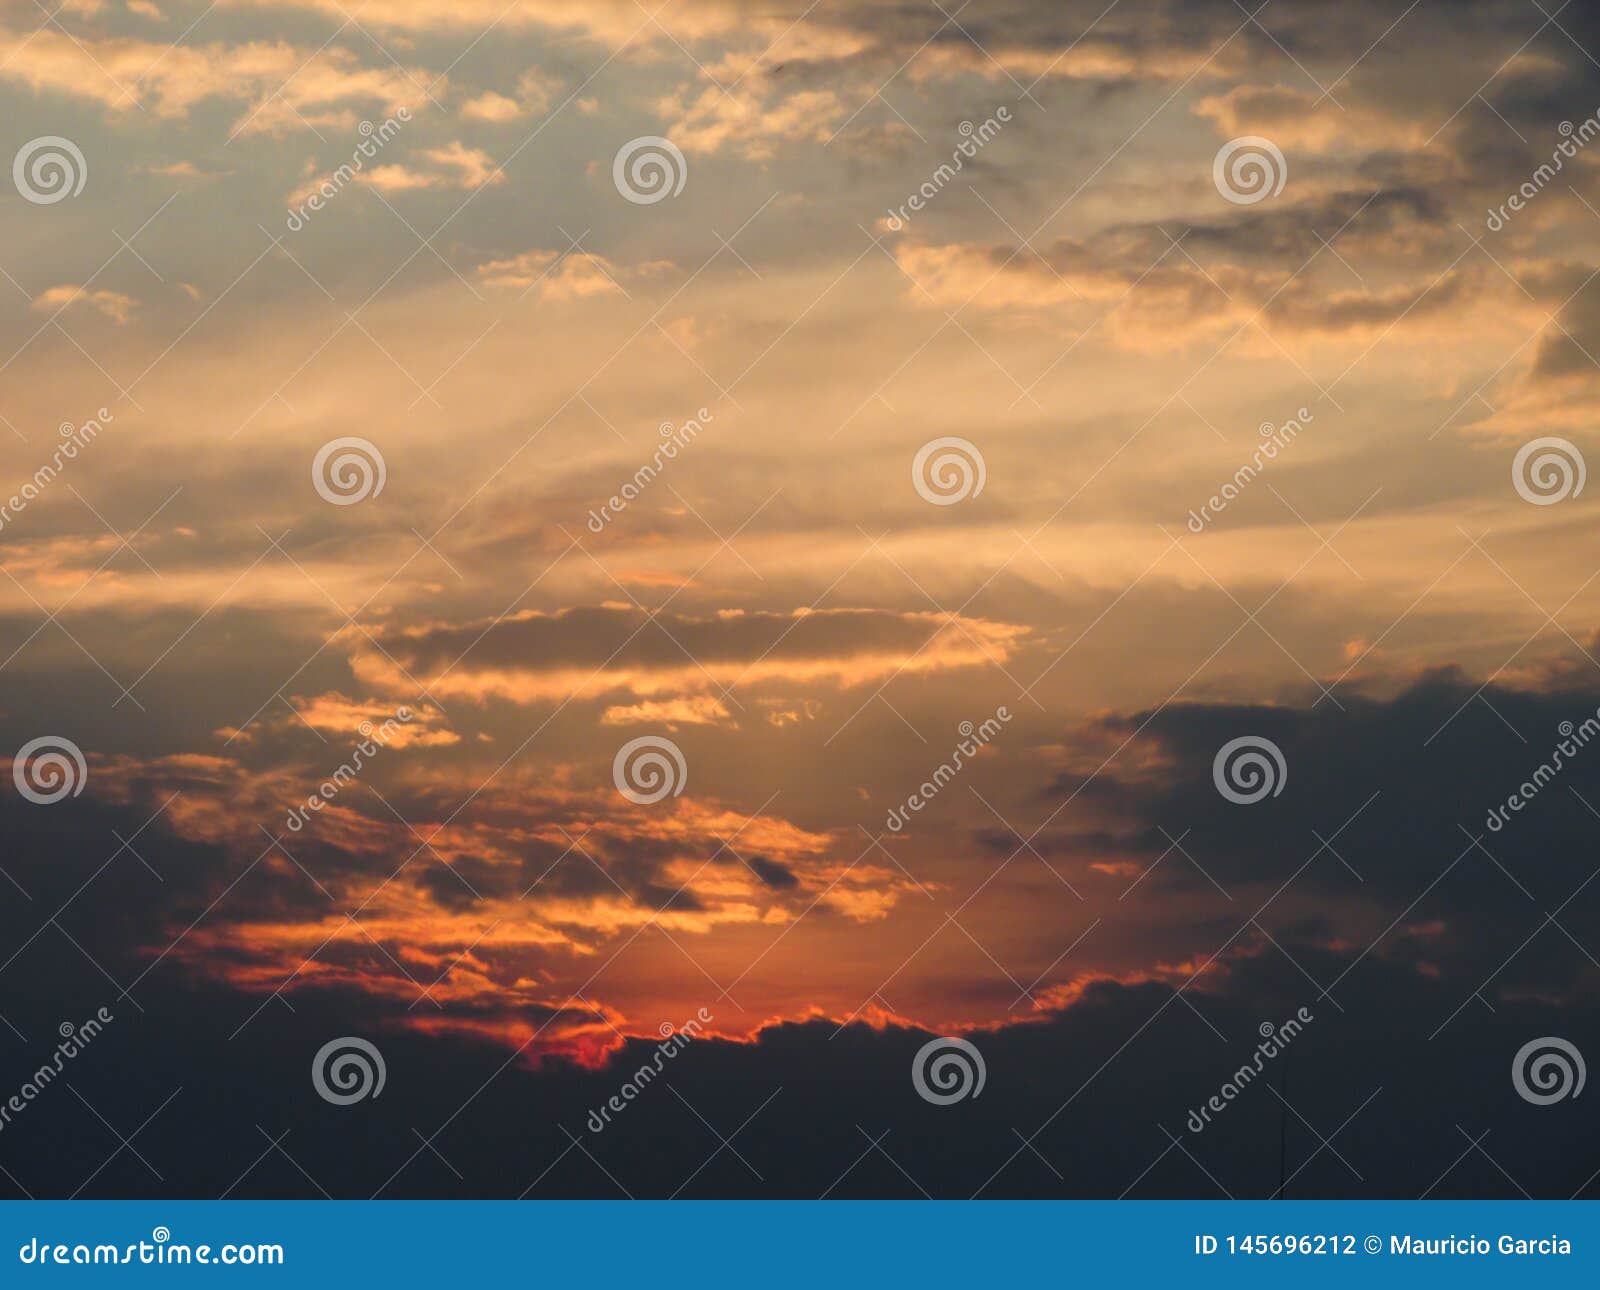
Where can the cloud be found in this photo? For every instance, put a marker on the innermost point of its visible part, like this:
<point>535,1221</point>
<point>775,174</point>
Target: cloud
<point>490,106</point>
<point>533,657</point>
<point>113,304</point>
<point>288,86</point>
<point>340,715</point>
<point>507,901</point>
<point>1304,119</point>
<point>712,120</point>
<point>454,166</point>
<point>571,275</point>
<point>535,90</point>
<point>1407,783</point>
<point>1149,288</point>
<point>1096,1090</point>
<point>700,709</point>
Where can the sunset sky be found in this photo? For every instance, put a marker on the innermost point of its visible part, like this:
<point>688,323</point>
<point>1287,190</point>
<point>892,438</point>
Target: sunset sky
<point>1110,328</point>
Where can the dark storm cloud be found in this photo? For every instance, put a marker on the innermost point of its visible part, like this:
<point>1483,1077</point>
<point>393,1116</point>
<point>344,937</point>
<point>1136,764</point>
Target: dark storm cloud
<point>1099,1091</point>
<point>1385,810</point>
<point>579,636</point>
<point>777,876</point>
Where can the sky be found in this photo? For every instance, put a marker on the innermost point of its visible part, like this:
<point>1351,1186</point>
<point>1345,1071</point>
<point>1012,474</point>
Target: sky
<point>1054,526</point>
